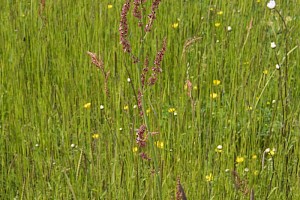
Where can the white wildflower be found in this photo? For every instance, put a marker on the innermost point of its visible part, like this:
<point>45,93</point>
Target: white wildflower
<point>273,45</point>
<point>271,4</point>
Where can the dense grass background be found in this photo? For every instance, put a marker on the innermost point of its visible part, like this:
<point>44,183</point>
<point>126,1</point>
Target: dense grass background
<point>48,145</point>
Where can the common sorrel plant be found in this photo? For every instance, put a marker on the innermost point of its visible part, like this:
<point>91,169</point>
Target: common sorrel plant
<point>146,79</point>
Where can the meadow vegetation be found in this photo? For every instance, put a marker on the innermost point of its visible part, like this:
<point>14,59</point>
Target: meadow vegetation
<point>215,114</point>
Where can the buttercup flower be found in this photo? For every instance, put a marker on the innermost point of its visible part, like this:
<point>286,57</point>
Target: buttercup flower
<point>125,107</point>
<point>271,4</point>
<point>109,6</point>
<point>220,13</point>
<point>87,105</point>
<point>175,25</point>
<point>216,82</point>
<point>240,159</point>
<point>95,136</point>
<point>159,144</point>
<point>217,24</point>
<point>209,178</point>
<point>265,72</point>
<point>134,149</point>
<point>249,108</point>
<point>213,95</point>
<point>171,110</point>
<point>272,152</point>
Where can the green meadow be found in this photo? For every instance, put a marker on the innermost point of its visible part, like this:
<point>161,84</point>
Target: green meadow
<point>222,116</point>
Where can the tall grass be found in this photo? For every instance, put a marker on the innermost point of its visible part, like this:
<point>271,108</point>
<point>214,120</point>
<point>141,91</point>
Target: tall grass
<point>53,147</point>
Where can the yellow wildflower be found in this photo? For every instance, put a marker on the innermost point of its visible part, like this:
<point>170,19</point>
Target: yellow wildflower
<point>109,6</point>
<point>217,24</point>
<point>213,95</point>
<point>220,13</point>
<point>258,1</point>
<point>171,110</point>
<point>254,157</point>
<point>95,136</point>
<point>159,144</point>
<point>185,87</point>
<point>195,88</point>
<point>125,107</point>
<point>256,172</point>
<point>249,108</point>
<point>216,82</point>
<point>265,72</point>
<point>211,9</point>
<point>148,111</point>
<point>272,152</point>
<point>175,25</point>
<point>134,149</point>
<point>87,105</point>
<point>240,159</point>
<point>209,178</point>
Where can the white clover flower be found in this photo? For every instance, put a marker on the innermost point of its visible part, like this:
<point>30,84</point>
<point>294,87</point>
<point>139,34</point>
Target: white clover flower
<point>277,66</point>
<point>128,80</point>
<point>246,169</point>
<point>219,147</point>
<point>37,145</point>
<point>73,145</point>
<point>135,106</point>
<point>274,101</point>
<point>267,150</point>
<point>229,28</point>
<point>273,45</point>
<point>101,107</point>
<point>175,113</point>
<point>227,170</point>
<point>271,4</point>
<point>121,129</point>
